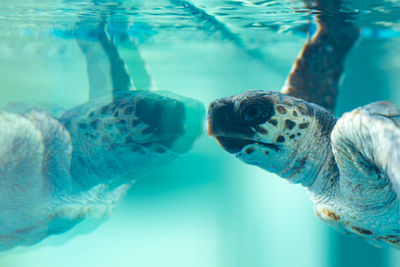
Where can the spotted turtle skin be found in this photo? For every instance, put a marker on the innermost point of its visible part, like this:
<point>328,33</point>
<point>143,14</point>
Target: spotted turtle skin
<point>56,172</point>
<point>350,165</point>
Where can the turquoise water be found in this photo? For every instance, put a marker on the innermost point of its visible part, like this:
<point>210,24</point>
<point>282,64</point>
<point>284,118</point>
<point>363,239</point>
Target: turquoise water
<point>207,208</point>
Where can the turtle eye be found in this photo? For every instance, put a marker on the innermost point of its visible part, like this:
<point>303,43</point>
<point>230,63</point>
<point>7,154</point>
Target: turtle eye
<point>253,113</point>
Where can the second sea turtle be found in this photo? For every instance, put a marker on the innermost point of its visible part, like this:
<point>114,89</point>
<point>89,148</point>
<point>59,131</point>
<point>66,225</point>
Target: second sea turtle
<point>57,171</point>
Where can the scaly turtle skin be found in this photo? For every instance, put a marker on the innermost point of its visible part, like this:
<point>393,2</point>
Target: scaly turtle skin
<point>55,172</point>
<point>350,165</point>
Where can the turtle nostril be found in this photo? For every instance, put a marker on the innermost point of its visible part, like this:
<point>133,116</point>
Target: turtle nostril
<point>212,105</point>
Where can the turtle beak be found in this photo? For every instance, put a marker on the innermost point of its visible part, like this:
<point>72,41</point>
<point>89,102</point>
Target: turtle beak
<point>230,133</point>
<point>166,116</point>
<point>220,113</point>
<point>182,118</point>
<point>222,120</point>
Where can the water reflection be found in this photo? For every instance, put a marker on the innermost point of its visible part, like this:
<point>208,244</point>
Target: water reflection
<point>204,206</point>
<point>59,171</point>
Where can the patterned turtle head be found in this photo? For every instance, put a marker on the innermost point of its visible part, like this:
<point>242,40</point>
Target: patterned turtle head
<point>268,129</point>
<point>133,133</point>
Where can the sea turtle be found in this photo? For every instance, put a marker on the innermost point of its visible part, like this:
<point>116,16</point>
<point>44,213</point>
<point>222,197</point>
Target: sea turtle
<point>55,172</point>
<point>350,165</point>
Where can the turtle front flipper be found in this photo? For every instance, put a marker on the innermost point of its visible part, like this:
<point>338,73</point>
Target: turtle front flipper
<point>102,59</point>
<point>121,79</point>
<point>35,153</point>
<point>316,73</point>
<point>97,65</point>
<point>366,146</point>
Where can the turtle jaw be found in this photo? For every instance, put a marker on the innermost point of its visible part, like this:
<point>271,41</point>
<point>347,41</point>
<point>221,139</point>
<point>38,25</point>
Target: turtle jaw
<point>233,145</point>
<point>236,145</point>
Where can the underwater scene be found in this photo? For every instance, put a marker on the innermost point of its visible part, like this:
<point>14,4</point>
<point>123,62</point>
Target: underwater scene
<point>218,133</point>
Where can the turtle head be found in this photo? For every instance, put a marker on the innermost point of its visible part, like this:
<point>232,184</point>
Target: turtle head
<point>156,122</point>
<point>132,134</point>
<point>267,129</point>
